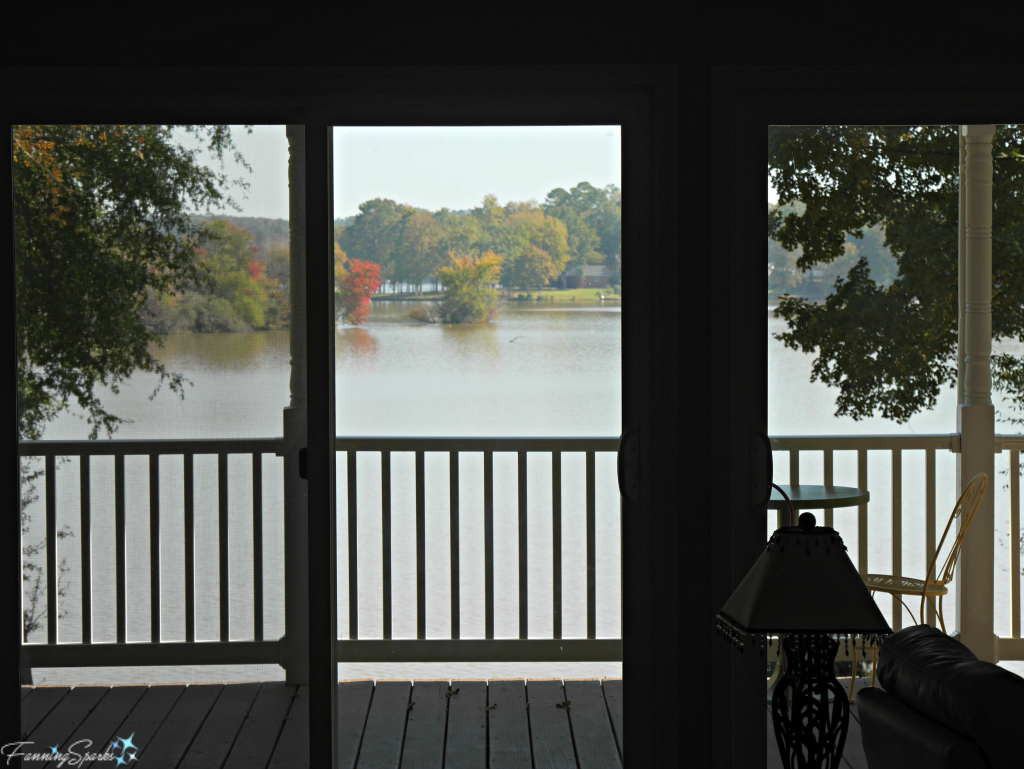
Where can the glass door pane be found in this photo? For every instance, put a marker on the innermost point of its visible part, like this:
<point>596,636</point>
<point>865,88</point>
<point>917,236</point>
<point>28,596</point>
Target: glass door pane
<point>153,324</point>
<point>478,297</point>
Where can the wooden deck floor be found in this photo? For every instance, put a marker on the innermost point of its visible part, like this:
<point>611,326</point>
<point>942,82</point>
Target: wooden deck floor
<point>442,724</point>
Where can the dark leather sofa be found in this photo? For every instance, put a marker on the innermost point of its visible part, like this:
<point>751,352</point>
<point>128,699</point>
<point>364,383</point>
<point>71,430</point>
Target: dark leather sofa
<point>940,706</point>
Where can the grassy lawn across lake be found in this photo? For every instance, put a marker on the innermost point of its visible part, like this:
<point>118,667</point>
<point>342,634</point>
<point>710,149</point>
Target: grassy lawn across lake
<point>547,295</point>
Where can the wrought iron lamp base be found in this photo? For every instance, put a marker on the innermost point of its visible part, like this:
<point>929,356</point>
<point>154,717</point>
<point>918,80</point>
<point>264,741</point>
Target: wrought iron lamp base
<point>811,731</point>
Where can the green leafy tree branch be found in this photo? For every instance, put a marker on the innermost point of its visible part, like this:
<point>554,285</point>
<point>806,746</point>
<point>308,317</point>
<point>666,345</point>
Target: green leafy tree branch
<point>100,222</point>
<point>890,348</point>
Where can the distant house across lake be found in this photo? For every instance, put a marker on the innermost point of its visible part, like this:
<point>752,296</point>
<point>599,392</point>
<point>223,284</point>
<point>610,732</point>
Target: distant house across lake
<point>594,276</point>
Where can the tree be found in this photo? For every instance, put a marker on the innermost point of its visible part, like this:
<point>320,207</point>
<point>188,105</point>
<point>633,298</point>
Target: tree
<point>524,206</point>
<point>278,268</point>
<point>490,215</point>
<point>785,277</point>
<point>462,234</point>
<point>534,249</point>
<point>240,295</point>
<point>606,221</point>
<point>340,266</point>
<point>99,222</point>
<point>601,211</point>
<point>373,234</point>
<point>581,239</point>
<point>889,348</point>
<point>354,289</point>
<point>416,253</point>
<point>468,296</point>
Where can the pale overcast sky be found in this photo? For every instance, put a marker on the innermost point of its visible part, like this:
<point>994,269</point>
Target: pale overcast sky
<point>433,167</point>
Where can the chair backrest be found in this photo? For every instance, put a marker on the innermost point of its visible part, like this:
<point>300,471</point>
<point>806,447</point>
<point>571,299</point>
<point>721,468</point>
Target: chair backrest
<point>965,509</point>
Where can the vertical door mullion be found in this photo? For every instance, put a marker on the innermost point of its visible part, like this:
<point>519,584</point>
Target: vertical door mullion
<point>10,702</point>
<point>322,527</point>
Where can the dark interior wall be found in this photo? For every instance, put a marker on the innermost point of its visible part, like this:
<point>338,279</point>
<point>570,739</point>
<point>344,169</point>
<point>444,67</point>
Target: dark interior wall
<point>680,720</point>
<point>689,721</point>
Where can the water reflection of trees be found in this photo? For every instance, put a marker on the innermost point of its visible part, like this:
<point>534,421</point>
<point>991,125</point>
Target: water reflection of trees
<point>467,340</point>
<point>356,343</point>
<point>228,351</point>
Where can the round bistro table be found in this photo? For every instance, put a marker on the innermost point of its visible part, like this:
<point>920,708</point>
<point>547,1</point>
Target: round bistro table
<point>807,497</point>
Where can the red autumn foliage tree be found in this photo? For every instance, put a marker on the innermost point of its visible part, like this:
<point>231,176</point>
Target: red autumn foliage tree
<point>354,289</point>
<point>256,266</point>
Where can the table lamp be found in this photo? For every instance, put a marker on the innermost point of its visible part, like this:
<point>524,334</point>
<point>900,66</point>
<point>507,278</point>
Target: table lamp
<point>805,589</point>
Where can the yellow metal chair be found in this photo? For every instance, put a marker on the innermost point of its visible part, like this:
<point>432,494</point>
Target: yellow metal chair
<point>933,584</point>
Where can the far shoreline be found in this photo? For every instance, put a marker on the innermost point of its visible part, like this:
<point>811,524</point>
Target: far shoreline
<point>549,296</point>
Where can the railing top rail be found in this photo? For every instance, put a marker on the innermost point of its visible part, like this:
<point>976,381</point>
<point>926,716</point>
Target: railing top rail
<point>949,441</point>
<point>442,443</point>
<point>1007,442</point>
<point>154,446</point>
<point>341,443</point>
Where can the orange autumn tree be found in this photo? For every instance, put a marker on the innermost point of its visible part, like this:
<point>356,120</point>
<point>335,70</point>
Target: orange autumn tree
<point>468,280</point>
<point>355,281</point>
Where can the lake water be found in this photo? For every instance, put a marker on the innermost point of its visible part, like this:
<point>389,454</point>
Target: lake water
<point>537,371</point>
<point>547,371</point>
<point>796,406</point>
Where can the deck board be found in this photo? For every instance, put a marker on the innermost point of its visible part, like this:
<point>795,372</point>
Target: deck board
<point>100,727</point>
<point>385,726</point>
<point>550,736</point>
<point>172,739</point>
<point>465,724</point>
<point>591,726</point>
<point>216,736</point>
<point>507,725</point>
<point>425,726</point>
<point>353,705</point>
<point>292,747</point>
<point>38,704</point>
<point>612,688</point>
<point>61,722</point>
<point>256,739</point>
<point>466,744</point>
<point>144,720</point>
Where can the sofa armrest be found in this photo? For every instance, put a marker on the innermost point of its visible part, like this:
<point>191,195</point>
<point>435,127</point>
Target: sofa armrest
<point>896,737</point>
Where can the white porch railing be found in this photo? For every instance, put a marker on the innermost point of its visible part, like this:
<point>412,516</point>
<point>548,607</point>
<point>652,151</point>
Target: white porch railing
<point>1009,648</point>
<point>354,649</point>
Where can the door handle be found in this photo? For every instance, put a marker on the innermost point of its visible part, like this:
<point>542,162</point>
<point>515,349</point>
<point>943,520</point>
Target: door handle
<point>771,469</point>
<point>303,464</point>
<point>629,477</point>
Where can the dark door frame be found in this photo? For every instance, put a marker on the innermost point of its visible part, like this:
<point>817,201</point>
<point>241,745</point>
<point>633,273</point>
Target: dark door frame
<point>744,101</point>
<point>641,98</point>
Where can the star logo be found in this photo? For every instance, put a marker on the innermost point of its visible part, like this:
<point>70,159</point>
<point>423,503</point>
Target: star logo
<point>53,749</point>
<point>128,743</point>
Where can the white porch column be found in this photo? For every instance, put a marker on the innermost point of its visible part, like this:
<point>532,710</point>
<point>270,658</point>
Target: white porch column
<point>975,413</point>
<point>295,644</point>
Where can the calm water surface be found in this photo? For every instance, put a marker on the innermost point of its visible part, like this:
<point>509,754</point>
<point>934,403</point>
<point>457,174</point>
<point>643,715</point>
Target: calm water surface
<point>540,371</point>
<point>536,371</point>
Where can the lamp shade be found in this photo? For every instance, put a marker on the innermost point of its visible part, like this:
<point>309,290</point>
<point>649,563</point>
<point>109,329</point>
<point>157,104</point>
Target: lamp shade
<point>804,583</point>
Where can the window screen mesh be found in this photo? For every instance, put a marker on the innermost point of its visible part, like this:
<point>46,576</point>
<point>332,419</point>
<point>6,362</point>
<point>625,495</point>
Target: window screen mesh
<point>118,188</point>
